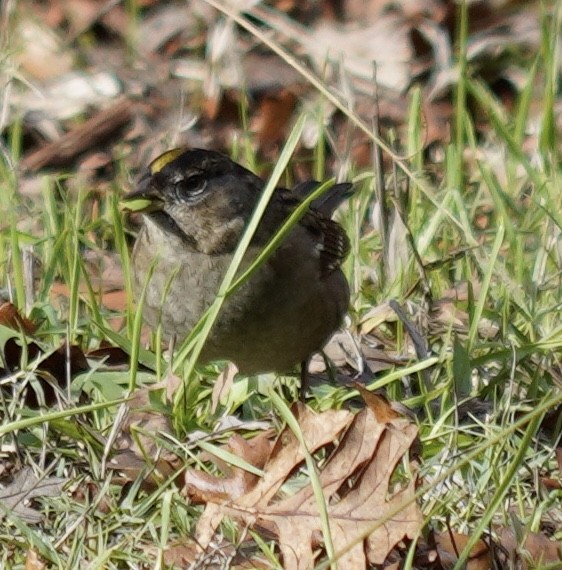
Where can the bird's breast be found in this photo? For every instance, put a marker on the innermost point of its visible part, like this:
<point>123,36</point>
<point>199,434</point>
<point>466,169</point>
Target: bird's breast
<point>282,313</point>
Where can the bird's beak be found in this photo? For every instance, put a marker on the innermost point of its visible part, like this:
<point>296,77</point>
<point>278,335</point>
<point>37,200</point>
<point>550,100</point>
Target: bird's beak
<point>145,199</point>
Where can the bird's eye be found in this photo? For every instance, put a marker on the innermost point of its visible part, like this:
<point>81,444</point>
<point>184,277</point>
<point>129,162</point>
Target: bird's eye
<point>196,187</point>
<point>191,188</point>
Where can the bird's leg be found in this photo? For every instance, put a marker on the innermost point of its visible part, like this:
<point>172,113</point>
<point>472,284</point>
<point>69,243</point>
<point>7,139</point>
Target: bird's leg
<point>305,378</point>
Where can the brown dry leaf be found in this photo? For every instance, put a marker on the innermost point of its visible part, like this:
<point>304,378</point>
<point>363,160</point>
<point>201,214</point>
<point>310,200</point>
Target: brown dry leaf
<point>53,370</point>
<point>184,554</point>
<point>379,359</point>
<point>181,555</point>
<point>376,316</point>
<point>445,316</point>
<point>81,15</point>
<point>271,121</point>
<point>378,404</point>
<point>385,41</point>
<point>54,373</point>
<point>25,486</point>
<point>64,98</point>
<point>356,481</point>
<point>163,25</point>
<point>252,564</point>
<point>88,491</point>
<point>437,121</point>
<point>342,350</point>
<point>42,53</point>
<point>113,356</point>
<point>115,300</point>
<point>65,360</point>
<point>104,270</point>
<point>451,544</point>
<point>106,279</point>
<point>205,488</point>
<point>143,424</point>
<point>354,46</point>
<point>537,549</point>
<point>223,385</point>
<point>267,73</point>
<point>33,562</point>
<point>10,317</point>
<point>63,150</point>
<point>550,483</point>
<point>368,10</point>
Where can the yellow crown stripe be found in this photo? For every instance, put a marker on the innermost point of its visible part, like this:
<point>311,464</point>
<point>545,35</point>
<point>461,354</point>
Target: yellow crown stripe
<point>164,159</point>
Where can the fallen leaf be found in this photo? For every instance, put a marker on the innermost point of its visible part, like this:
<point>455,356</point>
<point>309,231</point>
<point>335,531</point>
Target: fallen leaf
<point>342,349</point>
<point>376,316</point>
<point>53,370</point>
<point>104,270</point>
<point>145,422</point>
<point>161,26</point>
<point>223,385</point>
<point>10,317</point>
<point>42,53</point>
<point>202,487</point>
<point>25,486</point>
<point>355,480</point>
<point>87,492</point>
<point>533,550</point>
<point>378,404</point>
<point>111,355</point>
<point>33,562</point>
<point>271,121</point>
<point>106,288</point>
<point>451,544</point>
<point>184,553</point>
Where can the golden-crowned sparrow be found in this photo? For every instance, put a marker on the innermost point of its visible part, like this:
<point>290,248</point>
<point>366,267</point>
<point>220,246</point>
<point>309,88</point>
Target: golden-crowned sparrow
<point>199,203</point>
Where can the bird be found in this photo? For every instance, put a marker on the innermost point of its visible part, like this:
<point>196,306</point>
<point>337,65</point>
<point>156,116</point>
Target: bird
<point>196,204</point>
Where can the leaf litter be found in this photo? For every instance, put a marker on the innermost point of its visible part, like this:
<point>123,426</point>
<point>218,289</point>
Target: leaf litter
<point>493,33</point>
<point>26,486</point>
<point>369,512</point>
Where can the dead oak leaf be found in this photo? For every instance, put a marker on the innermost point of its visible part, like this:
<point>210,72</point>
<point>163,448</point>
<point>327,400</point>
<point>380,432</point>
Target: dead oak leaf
<point>10,317</point>
<point>25,486</point>
<point>202,487</point>
<point>532,549</point>
<point>140,438</point>
<point>366,458</point>
<point>451,544</point>
<point>378,403</point>
<point>368,515</point>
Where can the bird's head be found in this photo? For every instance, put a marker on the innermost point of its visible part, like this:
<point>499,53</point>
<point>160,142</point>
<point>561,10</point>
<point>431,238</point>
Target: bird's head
<point>201,196</point>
